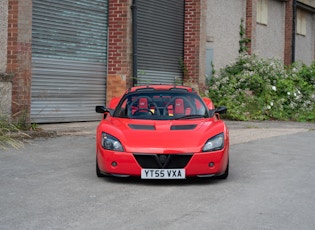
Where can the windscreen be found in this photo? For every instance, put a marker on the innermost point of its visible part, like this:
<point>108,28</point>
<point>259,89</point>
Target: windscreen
<point>161,105</point>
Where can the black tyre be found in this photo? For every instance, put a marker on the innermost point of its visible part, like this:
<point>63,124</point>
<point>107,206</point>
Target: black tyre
<point>98,171</point>
<point>226,173</point>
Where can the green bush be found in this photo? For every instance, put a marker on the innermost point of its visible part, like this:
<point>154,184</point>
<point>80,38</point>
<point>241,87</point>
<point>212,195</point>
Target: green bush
<point>257,89</point>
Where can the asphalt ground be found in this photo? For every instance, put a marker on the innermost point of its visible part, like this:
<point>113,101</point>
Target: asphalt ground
<point>50,183</point>
<point>240,131</point>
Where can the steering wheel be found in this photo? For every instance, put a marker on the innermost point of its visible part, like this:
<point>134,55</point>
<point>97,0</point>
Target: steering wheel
<point>144,109</point>
<point>193,108</point>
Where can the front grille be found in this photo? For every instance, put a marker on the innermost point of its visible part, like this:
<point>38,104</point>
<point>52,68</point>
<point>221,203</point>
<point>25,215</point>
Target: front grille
<point>163,161</point>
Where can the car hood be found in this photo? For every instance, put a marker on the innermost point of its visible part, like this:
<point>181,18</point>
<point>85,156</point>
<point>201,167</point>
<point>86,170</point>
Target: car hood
<point>175,136</point>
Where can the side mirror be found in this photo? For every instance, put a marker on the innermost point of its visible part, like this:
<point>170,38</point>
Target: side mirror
<point>217,111</point>
<point>221,110</point>
<point>104,110</point>
<point>101,109</point>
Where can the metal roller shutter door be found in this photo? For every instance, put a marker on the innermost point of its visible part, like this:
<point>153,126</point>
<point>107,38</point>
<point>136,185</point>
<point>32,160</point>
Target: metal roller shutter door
<point>160,41</point>
<point>69,56</point>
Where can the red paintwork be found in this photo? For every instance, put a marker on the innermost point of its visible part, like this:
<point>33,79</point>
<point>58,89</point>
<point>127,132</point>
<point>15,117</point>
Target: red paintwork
<point>208,102</point>
<point>162,140</point>
<point>114,102</point>
<point>160,87</point>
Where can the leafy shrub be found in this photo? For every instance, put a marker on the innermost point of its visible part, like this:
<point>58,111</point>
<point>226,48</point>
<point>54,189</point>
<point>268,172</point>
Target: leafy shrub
<point>256,89</point>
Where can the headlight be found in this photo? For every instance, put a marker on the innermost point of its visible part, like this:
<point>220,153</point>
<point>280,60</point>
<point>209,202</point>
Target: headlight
<point>214,143</point>
<point>111,143</point>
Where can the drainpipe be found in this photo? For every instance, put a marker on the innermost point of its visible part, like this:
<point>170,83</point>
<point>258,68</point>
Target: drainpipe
<point>293,30</point>
<point>134,43</point>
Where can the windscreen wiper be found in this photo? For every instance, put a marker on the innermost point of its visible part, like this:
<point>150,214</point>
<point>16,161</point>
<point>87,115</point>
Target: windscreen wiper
<point>190,117</point>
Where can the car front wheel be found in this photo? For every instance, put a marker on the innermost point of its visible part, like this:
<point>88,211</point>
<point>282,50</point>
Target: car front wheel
<point>98,171</point>
<point>226,173</point>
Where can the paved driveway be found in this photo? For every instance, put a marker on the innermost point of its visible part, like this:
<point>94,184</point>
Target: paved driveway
<point>51,184</point>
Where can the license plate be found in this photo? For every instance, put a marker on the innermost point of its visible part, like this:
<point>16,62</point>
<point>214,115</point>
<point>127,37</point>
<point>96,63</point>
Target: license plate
<point>163,174</point>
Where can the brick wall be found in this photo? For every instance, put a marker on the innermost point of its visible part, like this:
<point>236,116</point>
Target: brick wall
<point>288,32</point>
<point>249,24</point>
<point>119,74</point>
<point>19,56</point>
<point>119,48</point>
<point>192,41</point>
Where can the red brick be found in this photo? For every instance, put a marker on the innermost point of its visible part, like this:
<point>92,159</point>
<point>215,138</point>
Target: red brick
<point>288,33</point>
<point>19,59</point>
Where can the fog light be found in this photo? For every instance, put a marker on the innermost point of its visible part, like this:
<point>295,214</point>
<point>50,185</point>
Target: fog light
<point>211,164</point>
<point>114,163</point>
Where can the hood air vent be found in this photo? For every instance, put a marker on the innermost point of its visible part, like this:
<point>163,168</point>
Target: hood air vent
<point>142,127</point>
<point>183,127</point>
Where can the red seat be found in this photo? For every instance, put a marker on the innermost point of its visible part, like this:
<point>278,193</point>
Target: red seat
<point>179,107</point>
<point>143,103</point>
<point>141,107</point>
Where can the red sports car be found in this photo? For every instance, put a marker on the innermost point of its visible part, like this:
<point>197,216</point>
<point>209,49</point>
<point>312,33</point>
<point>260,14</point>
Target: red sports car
<point>162,132</point>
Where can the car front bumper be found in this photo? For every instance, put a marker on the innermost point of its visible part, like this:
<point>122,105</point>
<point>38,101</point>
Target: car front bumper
<point>201,164</point>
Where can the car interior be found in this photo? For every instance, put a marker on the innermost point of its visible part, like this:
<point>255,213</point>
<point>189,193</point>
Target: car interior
<point>166,106</point>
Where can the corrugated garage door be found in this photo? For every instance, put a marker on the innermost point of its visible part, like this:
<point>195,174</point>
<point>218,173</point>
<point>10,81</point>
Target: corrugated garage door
<point>160,41</point>
<point>69,59</point>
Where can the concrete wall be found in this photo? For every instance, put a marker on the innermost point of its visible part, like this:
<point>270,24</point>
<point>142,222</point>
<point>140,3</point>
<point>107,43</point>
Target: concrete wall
<point>269,39</point>
<point>5,98</point>
<point>5,80</point>
<point>304,45</point>
<point>223,27</point>
<point>310,3</point>
<point>3,34</point>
